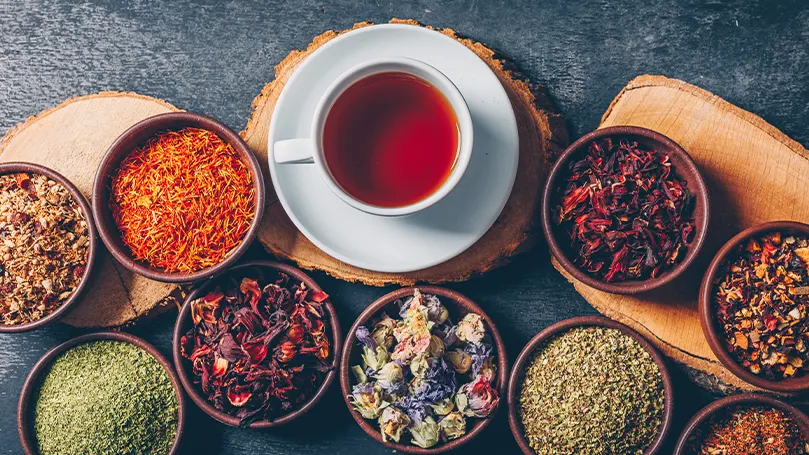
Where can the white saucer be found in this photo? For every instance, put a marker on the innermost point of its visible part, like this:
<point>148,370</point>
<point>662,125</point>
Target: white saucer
<point>429,237</point>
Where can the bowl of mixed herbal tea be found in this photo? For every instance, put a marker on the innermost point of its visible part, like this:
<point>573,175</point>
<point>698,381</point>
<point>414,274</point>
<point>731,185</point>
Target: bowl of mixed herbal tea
<point>47,246</point>
<point>590,386</point>
<point>746,424</point>
<point>754,306</point>
<point>625,210</point>
<point>258,346</point>
<point>424,370</point>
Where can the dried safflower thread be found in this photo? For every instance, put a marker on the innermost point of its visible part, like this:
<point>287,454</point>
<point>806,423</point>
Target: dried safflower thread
<point>106,398</point>
<point>44,247</point>
<point>183,201</point>
<point>591,391</point>
<point>626,213</point>
<point>756,430</point>
<point>259,350</point>
<point>761,302</point>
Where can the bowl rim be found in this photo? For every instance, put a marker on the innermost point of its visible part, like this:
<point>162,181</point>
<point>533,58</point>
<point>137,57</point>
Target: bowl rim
<point>185,376</point>
<point>696,184</point>
<point>24,420</point>
<point>457,299</point>
<point>722,404</point>
<point>92,248</point>
<point>706,313</point>
<point>119,150</point>
<point>588,321</point>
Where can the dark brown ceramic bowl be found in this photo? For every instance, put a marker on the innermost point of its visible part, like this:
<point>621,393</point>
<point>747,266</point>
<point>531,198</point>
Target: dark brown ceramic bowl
<point>458,306</point>
<point>747,399</point>
<point>256,269</point>
<point>706,308</point>
<point>684,168</point>
<point>136,136</point>
<point>12,168</point>
<point>517,373</point>
<point>25,420</point>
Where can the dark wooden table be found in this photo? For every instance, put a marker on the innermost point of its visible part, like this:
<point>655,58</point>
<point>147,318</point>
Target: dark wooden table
<point>214,57</point>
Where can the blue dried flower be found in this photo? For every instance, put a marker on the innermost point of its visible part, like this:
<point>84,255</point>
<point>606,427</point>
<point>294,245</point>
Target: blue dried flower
<point>364,337</point>
<point>416,409</point>
<point>480,352</point>
<point>447,334</point>
<point>438,384</point>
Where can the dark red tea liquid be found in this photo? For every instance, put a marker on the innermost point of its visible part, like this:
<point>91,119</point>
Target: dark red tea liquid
<point>391,140</point>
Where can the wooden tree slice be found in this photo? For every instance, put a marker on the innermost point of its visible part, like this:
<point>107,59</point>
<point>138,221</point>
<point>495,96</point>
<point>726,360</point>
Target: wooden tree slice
<point>754,172</point>
<point>542,136</point>
<point>72,138</point>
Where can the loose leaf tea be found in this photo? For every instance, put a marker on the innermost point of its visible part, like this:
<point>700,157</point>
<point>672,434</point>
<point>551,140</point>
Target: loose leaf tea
<point>423,376</point>
<point>44,242</point>
<point>591,391</point>
<point>625,211</point>
<point>106,398</point>
<point>183,201</point>
<point>259,352</point>
<point>761,301</point>
<point>749,431</point>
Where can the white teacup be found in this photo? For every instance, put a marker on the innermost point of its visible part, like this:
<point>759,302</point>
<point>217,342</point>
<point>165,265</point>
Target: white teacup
<point>310,150</point>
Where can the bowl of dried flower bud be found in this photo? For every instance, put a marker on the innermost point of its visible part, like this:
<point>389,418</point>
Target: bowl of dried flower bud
<point>258,346</point>
<point>625,210</point>
<point>424,370</point>
<point>746,423</point>
<point>47,246</point>
<point>754,306</point>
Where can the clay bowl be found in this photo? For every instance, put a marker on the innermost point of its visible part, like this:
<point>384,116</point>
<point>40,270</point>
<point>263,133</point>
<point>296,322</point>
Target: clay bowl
<point>135,137</point>
<point>256,269</point>
<point>746,399</point>
<point>458,306</point>
<point>684,167</point>
<point>12,168</point>
<point>706,309</point>
<point>558,328</point>
<point>25,421</point>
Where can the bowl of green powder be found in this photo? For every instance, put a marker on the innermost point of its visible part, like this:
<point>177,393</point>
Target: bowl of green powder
<point>104,393</point>
<point>590,386</point>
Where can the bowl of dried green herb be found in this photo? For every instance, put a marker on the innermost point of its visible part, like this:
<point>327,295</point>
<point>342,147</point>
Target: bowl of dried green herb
<point>746,424</point>
<point>625,210</point>
<point>424,370</point>
<point>258,346</point>
<point>589,385</point>
<point>754,306</point>
<point>47,246</point>
<point>103,393</point>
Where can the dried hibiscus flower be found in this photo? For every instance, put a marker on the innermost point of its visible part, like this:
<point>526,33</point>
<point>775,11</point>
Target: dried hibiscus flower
<point>259,352</point>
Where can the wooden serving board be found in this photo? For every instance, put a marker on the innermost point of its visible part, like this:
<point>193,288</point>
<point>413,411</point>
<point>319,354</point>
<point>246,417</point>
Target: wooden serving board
<point>71,139</point>
<point>754,173</point>
<point>542,137</point>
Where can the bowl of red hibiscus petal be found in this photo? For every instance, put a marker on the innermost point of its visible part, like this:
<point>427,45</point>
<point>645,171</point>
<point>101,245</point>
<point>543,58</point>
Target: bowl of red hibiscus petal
<point>257,346</point>
<point>754,306</point>
<point>47,246</point>
<point>178,197</point>
<point>424,370</point>
<point>746,424</point>
<point>625,210</point>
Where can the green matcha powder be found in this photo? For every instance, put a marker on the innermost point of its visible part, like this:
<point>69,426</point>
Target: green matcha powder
<point>106,398</point>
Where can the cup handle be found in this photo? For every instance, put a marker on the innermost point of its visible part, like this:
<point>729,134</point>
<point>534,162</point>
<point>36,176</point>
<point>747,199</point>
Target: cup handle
<point>294,151</point>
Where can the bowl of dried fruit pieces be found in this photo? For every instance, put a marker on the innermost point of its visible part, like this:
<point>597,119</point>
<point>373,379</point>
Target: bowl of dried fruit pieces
<point>754,306</point>
<point>424,370</point>
<point>258,346</point>
<point>625,210</point>
<point>47,246</point>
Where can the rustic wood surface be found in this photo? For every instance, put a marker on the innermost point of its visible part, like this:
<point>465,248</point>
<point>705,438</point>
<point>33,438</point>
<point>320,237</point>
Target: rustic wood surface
<point>543,135</point>
<point>71,139</point>
<point>754,173</point>
<point>213,57</point>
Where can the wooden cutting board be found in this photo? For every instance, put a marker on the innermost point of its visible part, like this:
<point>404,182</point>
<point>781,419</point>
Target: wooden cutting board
<point>71,139</point>
<point>542,136</point>
<point>754,172</point>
